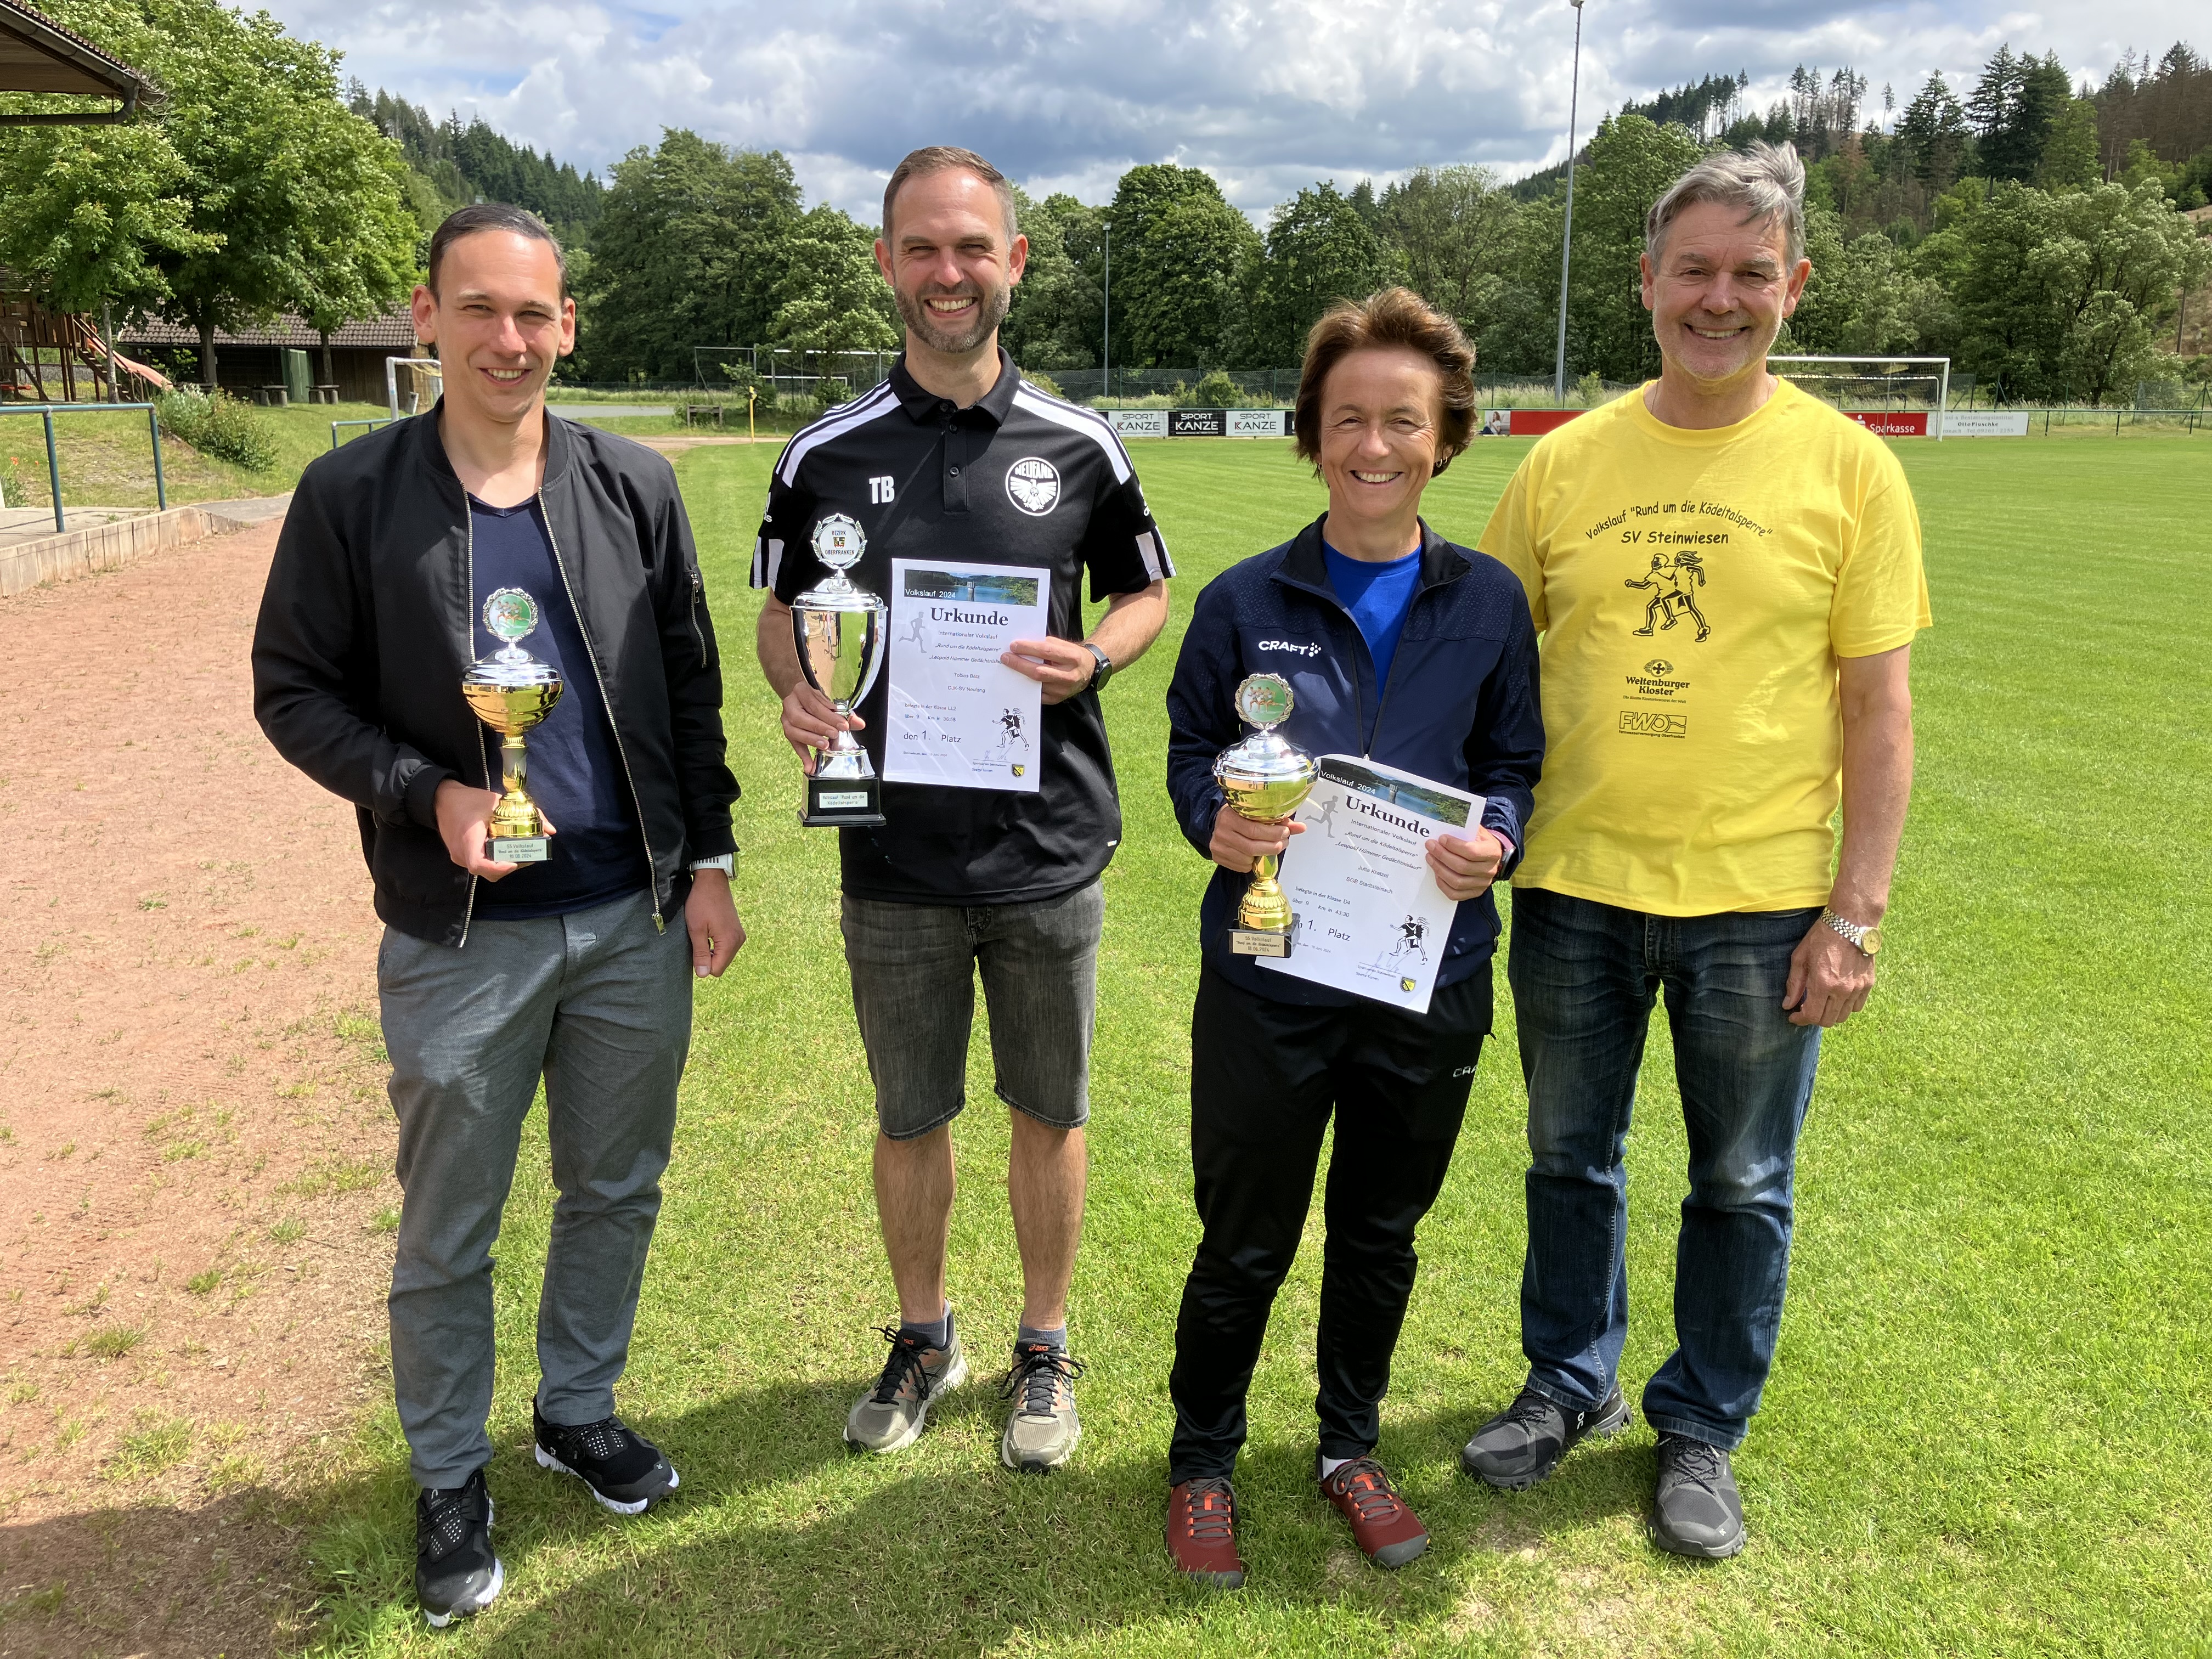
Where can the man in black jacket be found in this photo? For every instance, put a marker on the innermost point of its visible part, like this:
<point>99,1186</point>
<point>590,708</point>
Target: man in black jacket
<point>493,975</point>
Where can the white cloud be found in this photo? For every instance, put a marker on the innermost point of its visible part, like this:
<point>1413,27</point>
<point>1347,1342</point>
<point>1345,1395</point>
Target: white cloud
<point>1267,94</point>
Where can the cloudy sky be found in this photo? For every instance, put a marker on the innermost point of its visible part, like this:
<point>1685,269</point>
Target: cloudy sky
<point>1266,95</point>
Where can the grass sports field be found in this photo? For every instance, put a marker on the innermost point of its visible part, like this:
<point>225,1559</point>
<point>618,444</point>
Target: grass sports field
<point>1988,1429</point>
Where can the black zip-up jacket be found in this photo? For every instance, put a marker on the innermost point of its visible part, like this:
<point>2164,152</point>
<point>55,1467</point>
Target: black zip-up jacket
<point>1461,707</point>
<point>367,627</point>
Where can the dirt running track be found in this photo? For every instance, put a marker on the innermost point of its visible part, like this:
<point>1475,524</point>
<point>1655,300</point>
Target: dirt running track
<point>195,1153</point>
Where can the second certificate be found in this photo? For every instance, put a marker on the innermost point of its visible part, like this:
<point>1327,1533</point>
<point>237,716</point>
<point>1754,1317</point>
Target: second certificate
<point>957,715</point>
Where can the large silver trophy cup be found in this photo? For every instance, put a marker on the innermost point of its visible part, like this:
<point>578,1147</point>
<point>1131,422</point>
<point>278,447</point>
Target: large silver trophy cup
<point>841,631</point>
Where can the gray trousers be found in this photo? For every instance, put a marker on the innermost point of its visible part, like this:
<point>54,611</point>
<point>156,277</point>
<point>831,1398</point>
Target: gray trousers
<point>599,1003</point>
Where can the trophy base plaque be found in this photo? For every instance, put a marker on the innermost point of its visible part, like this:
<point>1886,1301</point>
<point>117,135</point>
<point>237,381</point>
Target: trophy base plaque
<point>1262,941</point>
<point>842,804</point>
<point>516,849</point>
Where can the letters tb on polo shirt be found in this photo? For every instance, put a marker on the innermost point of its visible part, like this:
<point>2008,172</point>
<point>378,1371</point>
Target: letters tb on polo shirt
<point>1018,478</point>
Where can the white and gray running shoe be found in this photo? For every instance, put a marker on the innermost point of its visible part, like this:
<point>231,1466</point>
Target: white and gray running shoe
<point>890,1416</point>
<point>1043,1428</point>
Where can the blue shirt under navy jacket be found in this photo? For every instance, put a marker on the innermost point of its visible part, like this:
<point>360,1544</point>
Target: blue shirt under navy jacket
<point>1462,709</point>
<point>1378,596</point>
<point>575,771</point>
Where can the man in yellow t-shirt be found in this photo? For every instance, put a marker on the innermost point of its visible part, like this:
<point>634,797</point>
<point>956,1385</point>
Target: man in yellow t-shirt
<point>1727,576</point>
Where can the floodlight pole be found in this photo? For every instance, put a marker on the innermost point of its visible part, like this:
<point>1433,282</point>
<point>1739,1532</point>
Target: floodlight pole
<point>1567,236</point>
<point>1106,355</point>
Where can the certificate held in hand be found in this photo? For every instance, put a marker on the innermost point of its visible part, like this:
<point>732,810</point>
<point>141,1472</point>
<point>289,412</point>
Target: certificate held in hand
<point>959,716</point>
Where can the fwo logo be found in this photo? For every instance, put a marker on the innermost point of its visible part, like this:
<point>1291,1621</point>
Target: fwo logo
<point>1286,645</point>
<point>1655,723</point>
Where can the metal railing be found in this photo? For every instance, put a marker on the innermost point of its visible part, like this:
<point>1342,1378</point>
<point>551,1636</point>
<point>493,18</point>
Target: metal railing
<point>371,424</point>
<point>47,411</point>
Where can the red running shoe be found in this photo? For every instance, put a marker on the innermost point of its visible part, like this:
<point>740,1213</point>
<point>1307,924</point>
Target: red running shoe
<point>1202,1533</point>
<point>1390,1534</point>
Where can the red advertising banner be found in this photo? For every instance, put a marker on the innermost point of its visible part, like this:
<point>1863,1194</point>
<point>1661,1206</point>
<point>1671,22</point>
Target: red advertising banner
<point>1535,423</point>
<point>1891,424</point>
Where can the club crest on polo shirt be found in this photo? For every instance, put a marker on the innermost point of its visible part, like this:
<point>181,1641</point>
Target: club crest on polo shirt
<point>1033,485</point>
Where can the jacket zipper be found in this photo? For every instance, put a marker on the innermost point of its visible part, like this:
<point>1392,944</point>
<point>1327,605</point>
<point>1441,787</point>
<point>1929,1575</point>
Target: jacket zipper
<point>468,653</point>
<point>652,870</point>
<point>698,593</point>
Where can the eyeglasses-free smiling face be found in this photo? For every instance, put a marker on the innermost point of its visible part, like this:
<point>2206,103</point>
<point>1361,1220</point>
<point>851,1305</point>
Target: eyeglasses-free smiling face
<point>1719,291</point>
<point>1379,410</point>
<point>498,320</point>
<point>948,260</point>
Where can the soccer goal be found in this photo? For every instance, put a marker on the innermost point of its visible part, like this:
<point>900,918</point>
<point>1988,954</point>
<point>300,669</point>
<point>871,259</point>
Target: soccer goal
<point>1897,397</point>
<point>424,383</point>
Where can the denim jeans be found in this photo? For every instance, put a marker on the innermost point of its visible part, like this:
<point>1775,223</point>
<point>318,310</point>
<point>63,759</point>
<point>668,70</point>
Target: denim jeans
<point>913,970</point>
<point>1584,977</point>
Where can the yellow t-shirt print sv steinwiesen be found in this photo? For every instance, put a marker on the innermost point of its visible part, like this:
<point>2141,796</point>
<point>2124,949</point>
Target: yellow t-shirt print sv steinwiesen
<point>1694,590</point>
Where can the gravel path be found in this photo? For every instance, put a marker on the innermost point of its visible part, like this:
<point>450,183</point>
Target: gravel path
<point>194,1145</point>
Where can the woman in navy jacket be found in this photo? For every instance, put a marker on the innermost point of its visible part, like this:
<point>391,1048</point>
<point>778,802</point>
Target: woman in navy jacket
<point>1405,649</point>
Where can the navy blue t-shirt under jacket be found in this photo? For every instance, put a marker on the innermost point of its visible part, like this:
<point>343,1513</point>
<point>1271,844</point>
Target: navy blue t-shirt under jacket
<point>576,772</point>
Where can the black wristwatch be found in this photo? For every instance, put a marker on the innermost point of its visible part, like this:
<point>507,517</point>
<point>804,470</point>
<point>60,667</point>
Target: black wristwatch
<point>1105,671</point>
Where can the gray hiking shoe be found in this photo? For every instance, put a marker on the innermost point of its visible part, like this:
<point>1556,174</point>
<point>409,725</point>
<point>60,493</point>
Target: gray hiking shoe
<point>1043,1429</point>
<point>1524,1444</point>
<point>1698,1510</point>
<point>891,1415</point>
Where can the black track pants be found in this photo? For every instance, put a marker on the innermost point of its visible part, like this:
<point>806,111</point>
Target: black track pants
<point>1265,1077</point>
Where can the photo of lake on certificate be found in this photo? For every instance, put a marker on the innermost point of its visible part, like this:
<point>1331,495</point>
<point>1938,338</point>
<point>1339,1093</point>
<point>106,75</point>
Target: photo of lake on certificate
<point>957,715</point>
<point>986,588</point>
<point>1369,917</point>
<point>1397,790</point>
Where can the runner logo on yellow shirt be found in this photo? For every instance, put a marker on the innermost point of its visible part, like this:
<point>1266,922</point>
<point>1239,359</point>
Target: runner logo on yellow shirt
<point>1673,583</point>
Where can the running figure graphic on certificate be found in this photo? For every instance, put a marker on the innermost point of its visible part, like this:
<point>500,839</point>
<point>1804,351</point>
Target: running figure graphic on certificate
<point>1011,736</point>
<point>918,631</point>
<point>1411,935</point>
<point>1326,816</point>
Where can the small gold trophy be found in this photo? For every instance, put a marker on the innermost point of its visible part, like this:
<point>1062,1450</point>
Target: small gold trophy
<point>1266,779</point>
<point>511,691</point>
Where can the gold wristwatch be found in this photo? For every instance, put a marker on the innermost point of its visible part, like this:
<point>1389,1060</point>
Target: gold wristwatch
<point>1867,938</point>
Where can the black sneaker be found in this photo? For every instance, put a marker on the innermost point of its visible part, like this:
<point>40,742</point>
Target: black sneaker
<point>624,1470</point>
<point>1524,1444</point>
<point>1698,1510</point>
<point>455,1574</point>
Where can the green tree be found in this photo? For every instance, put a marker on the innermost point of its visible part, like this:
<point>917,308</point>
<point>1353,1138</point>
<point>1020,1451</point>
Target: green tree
<point>1632,164</point>
<point>1179,251</point>
<point>1179,283</point>
<point>1318,250</point>
<point>690,248</point>
<point>90,209</point>
<point>1933,134</point>
<point>2059,296</point>
<point>1055,322</point>
<point>832,297</point>
<point>361,239</point>
<point>2070,158</point>
<point>1861,298</point>
<point>1454,226</point>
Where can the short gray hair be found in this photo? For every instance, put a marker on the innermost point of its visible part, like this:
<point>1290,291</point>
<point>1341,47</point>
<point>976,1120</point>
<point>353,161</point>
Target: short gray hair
<point>1764,182</point>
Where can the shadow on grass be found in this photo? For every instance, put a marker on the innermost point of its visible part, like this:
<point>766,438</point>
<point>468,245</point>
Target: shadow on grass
<point>784,1541</point>
<point>206,1576</point>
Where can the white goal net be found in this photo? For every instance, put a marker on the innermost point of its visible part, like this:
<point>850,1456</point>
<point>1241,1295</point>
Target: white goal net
<point>1897,396</point>
<point>412,385</point>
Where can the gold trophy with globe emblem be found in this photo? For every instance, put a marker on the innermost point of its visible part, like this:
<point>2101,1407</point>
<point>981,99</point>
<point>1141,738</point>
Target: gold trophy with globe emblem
<point>1266,778</point>
<point>511,691</point>
<point>841,632</point>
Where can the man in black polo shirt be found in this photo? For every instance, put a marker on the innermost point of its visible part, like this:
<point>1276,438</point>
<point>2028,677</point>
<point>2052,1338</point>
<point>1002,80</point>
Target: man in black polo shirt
<point>954,459</point>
